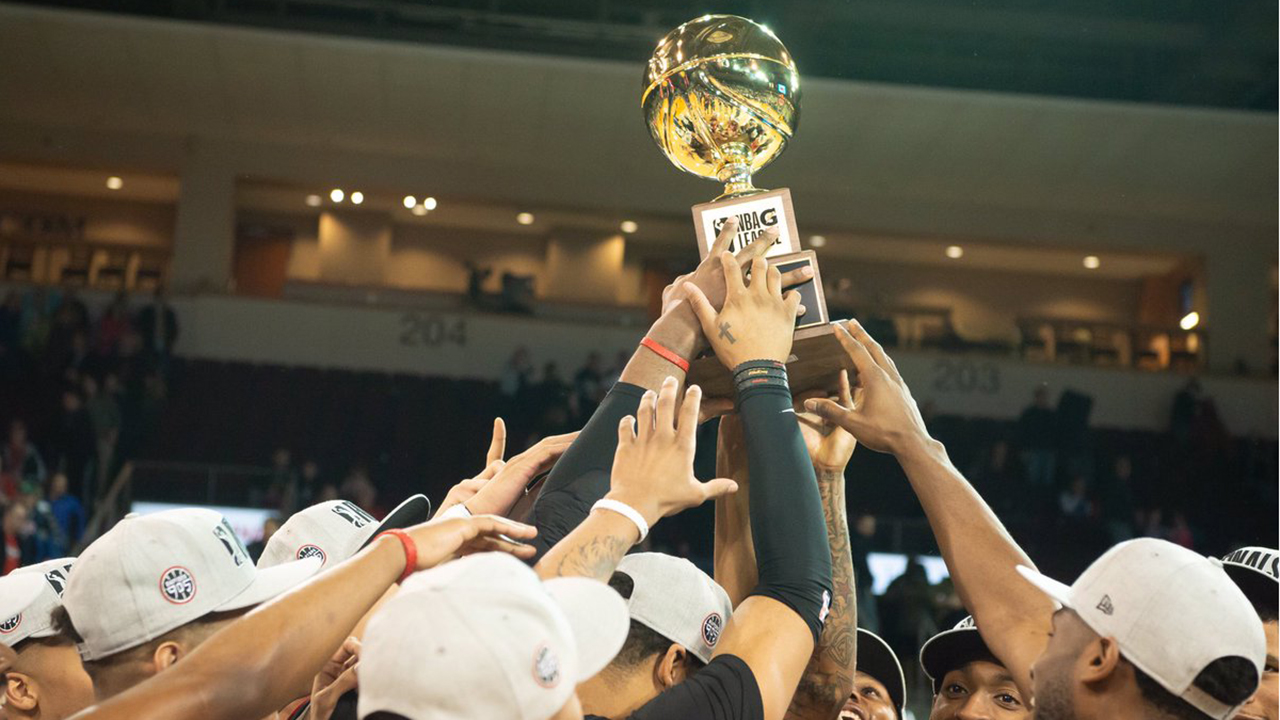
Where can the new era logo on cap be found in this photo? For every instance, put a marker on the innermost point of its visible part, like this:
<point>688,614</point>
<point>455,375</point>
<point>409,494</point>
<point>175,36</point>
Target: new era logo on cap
<point>1105,605</point>
<point>153,573</point>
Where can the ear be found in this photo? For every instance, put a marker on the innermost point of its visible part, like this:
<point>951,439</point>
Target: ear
<point>167,653</point>
<point>672,667</point>
<point>20,692</point>
<point>1100,660</point>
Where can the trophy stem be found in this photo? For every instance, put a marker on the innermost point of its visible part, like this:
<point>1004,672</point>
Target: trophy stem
<point>735,173</point>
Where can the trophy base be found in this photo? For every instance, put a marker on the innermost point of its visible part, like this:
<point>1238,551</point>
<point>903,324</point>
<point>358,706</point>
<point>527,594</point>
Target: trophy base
<point>815,363</point>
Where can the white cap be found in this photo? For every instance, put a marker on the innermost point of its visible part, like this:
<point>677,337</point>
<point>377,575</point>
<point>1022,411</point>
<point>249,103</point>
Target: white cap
<point>153,573</point>
<point>678,601</point>
<point>35,620</point>
<point>1173,612</point>
<point>1256,570</point>
<point>335,530</point>
<point>483,637</point>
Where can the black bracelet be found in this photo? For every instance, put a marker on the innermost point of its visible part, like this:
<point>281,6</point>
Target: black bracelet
<point>760,373</point>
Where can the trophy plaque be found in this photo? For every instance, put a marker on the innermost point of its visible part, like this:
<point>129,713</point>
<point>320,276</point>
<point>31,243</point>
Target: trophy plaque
<point>722,100</point>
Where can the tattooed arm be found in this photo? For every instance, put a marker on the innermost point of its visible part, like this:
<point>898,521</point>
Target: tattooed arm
<point>828,679</point>
<point>592,550</point>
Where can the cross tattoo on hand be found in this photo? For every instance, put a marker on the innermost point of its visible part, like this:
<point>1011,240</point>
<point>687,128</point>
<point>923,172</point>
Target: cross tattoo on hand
<point>724,333</point>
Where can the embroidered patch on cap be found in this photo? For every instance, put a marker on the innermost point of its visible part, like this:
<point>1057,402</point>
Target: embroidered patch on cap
<point>352,513</point>
<point>311,551</point>
<point>1105,605</point>
<point>711,627</point>
<point>546,667</point>
<point>177,585</point>
<point>11,624</point>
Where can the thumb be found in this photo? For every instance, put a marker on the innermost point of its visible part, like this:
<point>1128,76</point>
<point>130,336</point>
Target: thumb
<point>718,488</point>
<point>701,307</point>
<point>828,409</point>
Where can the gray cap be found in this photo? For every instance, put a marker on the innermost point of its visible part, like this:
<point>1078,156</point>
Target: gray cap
<point>678,601</point>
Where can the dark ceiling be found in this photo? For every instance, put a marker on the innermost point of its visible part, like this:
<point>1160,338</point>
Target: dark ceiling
<point>1209,53</point>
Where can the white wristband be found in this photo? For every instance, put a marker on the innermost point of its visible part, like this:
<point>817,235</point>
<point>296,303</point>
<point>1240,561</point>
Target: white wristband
<point>627,512</point>
<point>454,511</point>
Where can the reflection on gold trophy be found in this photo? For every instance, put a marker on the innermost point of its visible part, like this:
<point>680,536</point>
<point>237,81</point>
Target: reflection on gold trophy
<point>722,100</point>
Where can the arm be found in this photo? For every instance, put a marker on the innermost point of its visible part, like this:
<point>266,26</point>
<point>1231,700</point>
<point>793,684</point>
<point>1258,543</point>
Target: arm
<point>1014,617</point>
<point>652,473</point>
<point>774,630</point>
<point>252,667</point>
<point>735,558</point>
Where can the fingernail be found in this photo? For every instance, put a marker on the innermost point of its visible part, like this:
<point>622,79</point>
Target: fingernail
<point>669,381</point>
<point>800,310</point>
<point>806,271</point>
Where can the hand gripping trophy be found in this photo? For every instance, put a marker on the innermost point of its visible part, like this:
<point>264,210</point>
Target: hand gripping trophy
<point>722,100</point>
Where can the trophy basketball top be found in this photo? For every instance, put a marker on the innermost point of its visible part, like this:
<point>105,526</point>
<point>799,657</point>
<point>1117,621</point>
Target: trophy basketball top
<point>722,99</point>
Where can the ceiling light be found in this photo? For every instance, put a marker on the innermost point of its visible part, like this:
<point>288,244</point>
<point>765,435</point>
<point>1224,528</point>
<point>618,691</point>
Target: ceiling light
<point>629,226</point>
<point>357,197</point>
<point>114,183</point>
<point>429,203</point>
<point>955,252</point>
<point>313,200</point>
<point>419,210</point>
<point>336,194</point>
<point>410,201</point>
<point>525,218</point>
<point>817,240</point>
<point>1092,262</point>
<point>1190,320</point>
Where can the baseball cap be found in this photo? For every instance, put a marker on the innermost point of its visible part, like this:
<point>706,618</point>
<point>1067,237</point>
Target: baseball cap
<point>35,618</point>
<point>1172,611</point>
<point>951,649</point>
<point>1256,571</point>
<point>153,573</point>
<point>675,599</point>
<point>335,530</point>
<point>878,660</point>
<point>483,637</point>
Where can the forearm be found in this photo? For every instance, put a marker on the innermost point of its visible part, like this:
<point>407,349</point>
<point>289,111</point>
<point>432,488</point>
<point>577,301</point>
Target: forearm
<point>828,679</point>
<point>257,665</point>
<point>677,331</point>
<point>592,550</point>
<point>793,555</point>
<point>734,555</point>
<point>1014,617</point>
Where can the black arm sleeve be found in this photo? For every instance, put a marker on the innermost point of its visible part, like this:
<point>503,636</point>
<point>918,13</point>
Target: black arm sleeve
<point>581,476</point>
<point>789,532</point>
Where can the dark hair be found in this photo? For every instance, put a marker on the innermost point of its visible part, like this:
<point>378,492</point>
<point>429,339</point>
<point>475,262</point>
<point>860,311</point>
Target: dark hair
<point>643,642</point>
<point>1230,680</point>
<point>1266,609</point>
<point>197,631</point>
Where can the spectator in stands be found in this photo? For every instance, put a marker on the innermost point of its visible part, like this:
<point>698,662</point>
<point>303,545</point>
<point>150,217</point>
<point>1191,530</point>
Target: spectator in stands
<point>1185,406</point>
<point>42,536</point>
<point>552,395</point>
<point>1074,502</point>
<point>22,462</point>
<point>112,326</point>
<point>70,319</point>
<point>158,325</point>
<point>614,374</point>
<point>359,489</point>
<point>587,386</point>
<point>1118,505</point>
<point>15,519</point>
<point>864,530</point>
<point>75,444</point>
<point>10,336</point>
<point>1038,439</point>
<point>516,386</point>
<point>998,478</point>
<point>282,486</point>
<point>309,483</point>
<point>104,414</point>
<point>67,510</point>
<point>1181,532</point>
<point>269,528</point>
<point>908,609</point>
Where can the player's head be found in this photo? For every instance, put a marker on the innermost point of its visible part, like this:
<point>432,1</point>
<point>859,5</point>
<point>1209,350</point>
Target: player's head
<point>1256,571</point>
<point>879,685</point>
<point>154,587</point>
<point>677,614</point>
<point>483,637</point>
<point>1150,629</point>
<point>969,683</point>
<point>335,530</point>
<point>45,679</point>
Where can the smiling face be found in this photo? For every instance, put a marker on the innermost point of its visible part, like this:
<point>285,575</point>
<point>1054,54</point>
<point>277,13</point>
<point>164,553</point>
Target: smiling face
<point>869,701</point>
<point>1263,704</point>
<point>979,690</point>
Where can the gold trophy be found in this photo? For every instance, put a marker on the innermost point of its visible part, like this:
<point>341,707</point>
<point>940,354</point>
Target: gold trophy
<point>722,100</point>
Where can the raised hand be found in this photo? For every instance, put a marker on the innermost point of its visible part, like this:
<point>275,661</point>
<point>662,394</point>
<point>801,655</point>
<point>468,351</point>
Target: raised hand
<point>507,481</point>
<point>830,446</point>
<point>756,323</point>
<point>653,467</point>
<point>465,490</point>
<point>334,680</point>
<point>887,418</point>
<point>443,540</point>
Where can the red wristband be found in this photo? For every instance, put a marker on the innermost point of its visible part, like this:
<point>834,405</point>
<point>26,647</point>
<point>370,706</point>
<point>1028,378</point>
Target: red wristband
<point>410,551</point>
<point>665,354</point>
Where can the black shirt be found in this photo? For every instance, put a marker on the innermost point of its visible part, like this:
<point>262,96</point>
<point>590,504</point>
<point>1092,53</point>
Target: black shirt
<point>725,689</point>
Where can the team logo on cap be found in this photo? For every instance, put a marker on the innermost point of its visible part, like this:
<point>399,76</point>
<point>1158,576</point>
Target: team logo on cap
<point>11,624</point>
<point>711,627</point>
<point>57,579</point>
<point>177,585</point>
<point>1105,605</point>
<point>546,667</point>
<point>231,543</point>
<point>310,551</point>
<point>352,513</point>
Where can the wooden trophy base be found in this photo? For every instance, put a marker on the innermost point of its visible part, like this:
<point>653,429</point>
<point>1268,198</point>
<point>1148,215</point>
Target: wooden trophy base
<point>815,363</point>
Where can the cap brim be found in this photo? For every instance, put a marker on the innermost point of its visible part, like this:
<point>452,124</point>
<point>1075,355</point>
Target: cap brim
<point>413,511</point>
<point>951,649</point>
<point>598,616</point>
<point>18,591</point>
<point>272,581</point>
<point>1258,586</point>
<point>877,659</point>
<point>1047,585</point>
